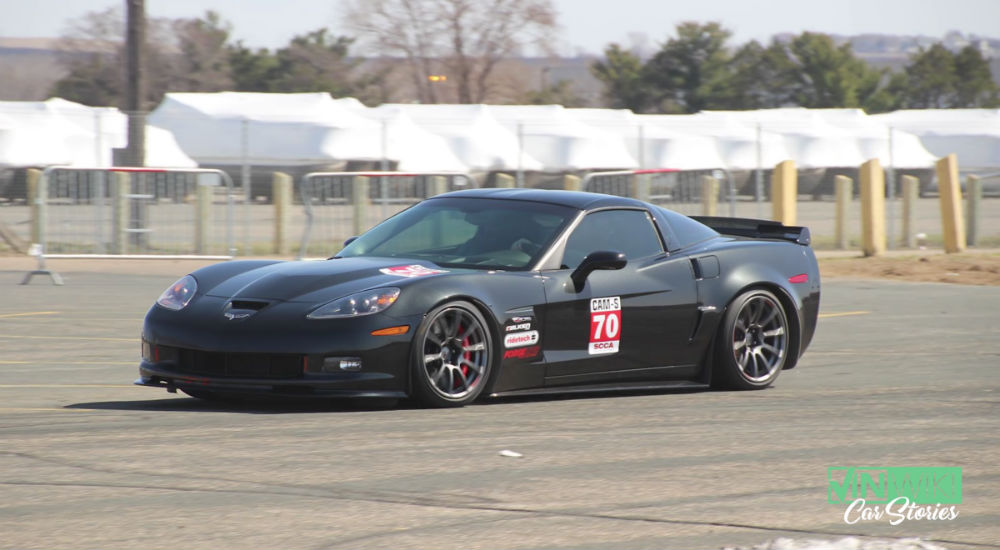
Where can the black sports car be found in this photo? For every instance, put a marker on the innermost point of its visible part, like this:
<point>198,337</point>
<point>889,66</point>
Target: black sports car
<point>498,292</point>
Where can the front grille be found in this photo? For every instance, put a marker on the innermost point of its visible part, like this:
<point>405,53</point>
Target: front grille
<point>233,365</point>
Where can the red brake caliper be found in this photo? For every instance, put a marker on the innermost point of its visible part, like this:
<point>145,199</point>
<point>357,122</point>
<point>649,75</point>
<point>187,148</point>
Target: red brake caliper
<point>465,355</point>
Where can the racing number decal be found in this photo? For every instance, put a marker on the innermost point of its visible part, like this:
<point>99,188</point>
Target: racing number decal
<point>605,325</point>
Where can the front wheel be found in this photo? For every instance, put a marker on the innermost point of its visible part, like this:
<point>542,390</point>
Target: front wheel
<point>752,345</point>
<point>452,356</point>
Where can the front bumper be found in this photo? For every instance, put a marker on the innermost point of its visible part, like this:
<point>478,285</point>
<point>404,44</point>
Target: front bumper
<point>277,352</point>
<point>352,384</point>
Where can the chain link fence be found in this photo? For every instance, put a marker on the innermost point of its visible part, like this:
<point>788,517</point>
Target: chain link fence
<point>132,212</point>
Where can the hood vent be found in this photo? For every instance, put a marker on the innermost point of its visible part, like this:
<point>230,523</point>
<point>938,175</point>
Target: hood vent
<point>252,305</point>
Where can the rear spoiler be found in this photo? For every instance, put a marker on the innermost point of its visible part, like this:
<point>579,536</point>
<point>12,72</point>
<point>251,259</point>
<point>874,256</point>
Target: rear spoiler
<point>756,229</point>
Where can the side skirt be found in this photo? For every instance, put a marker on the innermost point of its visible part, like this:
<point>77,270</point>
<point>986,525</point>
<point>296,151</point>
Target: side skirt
<point>603,388</point>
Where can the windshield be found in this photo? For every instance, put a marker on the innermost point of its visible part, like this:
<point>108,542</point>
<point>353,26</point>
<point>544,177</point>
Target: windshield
<point>467,232</point>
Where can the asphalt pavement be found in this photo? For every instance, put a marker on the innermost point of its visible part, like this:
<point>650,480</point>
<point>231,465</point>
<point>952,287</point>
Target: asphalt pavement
<point>900,374</point>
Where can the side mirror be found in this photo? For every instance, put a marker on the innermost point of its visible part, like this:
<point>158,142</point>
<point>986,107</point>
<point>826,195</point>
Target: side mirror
<point>602,259</point>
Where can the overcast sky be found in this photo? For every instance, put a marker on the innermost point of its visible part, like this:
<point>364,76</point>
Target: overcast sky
<point>587,25</point>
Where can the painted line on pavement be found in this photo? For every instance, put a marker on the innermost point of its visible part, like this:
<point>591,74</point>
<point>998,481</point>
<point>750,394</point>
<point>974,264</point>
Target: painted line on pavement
<point>16,362</point>
<point>842,314</point>
<point>86,338</point>
<point>27,314</point>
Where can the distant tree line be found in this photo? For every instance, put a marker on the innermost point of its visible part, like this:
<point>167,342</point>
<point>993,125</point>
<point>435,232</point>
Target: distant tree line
<point>468,41</point>
<point>197,55</point>
<point>697,70</point>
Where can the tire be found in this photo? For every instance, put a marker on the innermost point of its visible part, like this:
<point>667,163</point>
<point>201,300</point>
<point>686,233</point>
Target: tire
<point>453,356</point>
<point>753,342</point>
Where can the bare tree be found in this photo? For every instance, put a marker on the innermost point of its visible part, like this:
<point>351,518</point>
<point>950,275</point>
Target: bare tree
<point>464,40</point>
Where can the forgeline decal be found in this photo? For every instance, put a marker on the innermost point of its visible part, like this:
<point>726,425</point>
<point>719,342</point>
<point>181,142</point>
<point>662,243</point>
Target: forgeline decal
<point>605,325</point>
<point>522,353</point>
<point>414,270</point>
<point>520,339</point>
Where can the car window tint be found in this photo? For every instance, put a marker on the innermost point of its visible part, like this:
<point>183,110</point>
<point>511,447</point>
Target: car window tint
<point>628,231</point>
<point>466,232</point>
<point>686,231</point>
<point>441,229</point>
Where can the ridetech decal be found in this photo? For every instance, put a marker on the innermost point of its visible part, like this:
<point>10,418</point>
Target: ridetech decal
<point>895,494</point>
<point>415,270</point>
<point>519,339</point>
<point>605,325</point>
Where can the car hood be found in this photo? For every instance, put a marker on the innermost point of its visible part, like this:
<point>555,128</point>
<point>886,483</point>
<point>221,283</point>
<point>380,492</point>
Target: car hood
<point>320,281</point>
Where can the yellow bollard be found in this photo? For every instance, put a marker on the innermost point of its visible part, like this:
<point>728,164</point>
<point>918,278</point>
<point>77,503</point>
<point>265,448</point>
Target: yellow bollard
<point>437,185</point>
<point>506,181</point>
<point>203,215</point>
<point>37,197</point>
<point>873,236</point>
<point>844,192</point>
<point>360,198</point>
<point>950,192</point>
<point>121,185</point>
<point>709,195</point>
<point>973,208</point>
<point>784,192</point>
<point>281,193</point>
<point>911,192</point>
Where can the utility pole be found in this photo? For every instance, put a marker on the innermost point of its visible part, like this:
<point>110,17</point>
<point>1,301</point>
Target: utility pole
<point>135,46</point>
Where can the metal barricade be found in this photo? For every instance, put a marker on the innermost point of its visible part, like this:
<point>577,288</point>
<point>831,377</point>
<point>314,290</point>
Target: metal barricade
<point>339,205</point>
<point>136,213</point>
<point>682,191</point>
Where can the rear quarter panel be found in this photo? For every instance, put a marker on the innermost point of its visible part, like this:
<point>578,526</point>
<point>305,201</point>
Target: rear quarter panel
<point>747,263</point>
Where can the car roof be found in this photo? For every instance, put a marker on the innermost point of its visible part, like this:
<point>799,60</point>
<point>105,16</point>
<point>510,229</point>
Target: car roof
<point>574,199</point>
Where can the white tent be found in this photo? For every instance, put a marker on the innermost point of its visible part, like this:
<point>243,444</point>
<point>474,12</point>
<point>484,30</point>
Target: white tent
<point>651,143</point>
<point>230,128</point>
<point>971,134</point>
<point>561,142</point>
<point>60,132</point>
<point>33,134</point>
<point>416,148</point>
<point>826,138</point>
<point>735,142</point>
<point>892,147</point>
<point>473,135</point>
<point>809,140</point>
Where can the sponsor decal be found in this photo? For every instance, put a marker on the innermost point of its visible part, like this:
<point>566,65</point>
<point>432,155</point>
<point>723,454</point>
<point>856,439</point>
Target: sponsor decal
<point>895,494</point>
<point>415,270</point>
<point>605,325</point>
<point>517,327</point>
<point>522,353</point>
<point>520,319</point>
<point>520,339</point>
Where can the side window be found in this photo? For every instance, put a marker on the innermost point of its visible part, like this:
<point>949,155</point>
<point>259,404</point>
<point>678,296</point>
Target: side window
<point>628,231</point>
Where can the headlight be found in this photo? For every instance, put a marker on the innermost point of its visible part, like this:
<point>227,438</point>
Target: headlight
<point>356,305</point>
<point>179,295</point>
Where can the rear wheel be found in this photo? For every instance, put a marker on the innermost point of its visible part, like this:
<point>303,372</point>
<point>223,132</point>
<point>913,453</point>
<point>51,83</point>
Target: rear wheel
<point>452,356</point>
<point>752,345</point>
